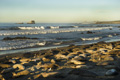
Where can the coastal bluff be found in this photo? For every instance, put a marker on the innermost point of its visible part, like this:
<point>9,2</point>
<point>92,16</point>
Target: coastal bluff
<point>108,22</point>
<point>31,22</point>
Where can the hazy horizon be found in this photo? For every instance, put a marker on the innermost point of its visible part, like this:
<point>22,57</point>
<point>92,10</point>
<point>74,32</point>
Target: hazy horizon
<point>59,11</point>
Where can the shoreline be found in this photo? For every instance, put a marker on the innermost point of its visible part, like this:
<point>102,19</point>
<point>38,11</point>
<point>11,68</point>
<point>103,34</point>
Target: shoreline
<point>25,50</point>
<point>97,61</point>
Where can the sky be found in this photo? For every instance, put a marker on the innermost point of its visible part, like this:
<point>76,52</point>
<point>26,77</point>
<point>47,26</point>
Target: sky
<point>59,11</point>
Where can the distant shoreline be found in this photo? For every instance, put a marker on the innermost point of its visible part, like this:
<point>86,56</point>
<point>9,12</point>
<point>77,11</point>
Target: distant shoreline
<point>108,22</point>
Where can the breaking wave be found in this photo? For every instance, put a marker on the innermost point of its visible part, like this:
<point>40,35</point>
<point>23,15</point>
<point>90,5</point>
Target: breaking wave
<point>11,28</point>
<point>45,31</point>
<point>21,44</point>
<point>31,28</point>
<point>109,36</point>
<point>94,38</point>
<point>52,27</point>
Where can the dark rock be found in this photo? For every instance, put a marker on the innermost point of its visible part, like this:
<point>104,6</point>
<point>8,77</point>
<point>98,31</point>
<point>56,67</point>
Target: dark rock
<point>79,53</point>
<point>49,65</point>
<point>30,64</point>
<point>65,53</point>
<point>70,50</point>
<point>7,70</point>
<point>90,32</point>
<point>83,73</point>
<point>111,67</point>
<point>82,33</point>
<point>28,55</point>
<point>110,28</point>
<point>74,77</point>
<point>7,76</point>
<point>72,45</point>
<point>111,72</point>
<point>55,51</point>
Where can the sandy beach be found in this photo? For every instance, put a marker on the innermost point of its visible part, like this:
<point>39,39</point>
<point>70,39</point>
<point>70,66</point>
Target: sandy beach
<point>99,61</point>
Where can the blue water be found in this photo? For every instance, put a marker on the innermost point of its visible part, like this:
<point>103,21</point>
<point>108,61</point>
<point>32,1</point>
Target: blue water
<point>8,25</point>
<point>54,34</point>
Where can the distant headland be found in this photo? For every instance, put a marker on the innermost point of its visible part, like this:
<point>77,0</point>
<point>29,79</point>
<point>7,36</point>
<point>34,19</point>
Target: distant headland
<point>108,22</point>
<point>31,22</point>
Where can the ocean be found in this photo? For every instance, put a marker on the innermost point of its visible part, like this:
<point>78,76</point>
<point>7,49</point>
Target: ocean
<point>51,35</point>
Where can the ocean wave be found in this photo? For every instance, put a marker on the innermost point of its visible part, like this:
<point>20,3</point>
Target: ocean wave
<point>109,36</point>
<point>53,27</point>
<point>57,43</point>
<point>45,31</point>
<point>75,26</point>
<point>94,38</point>
<point>20,45</point>
<point>11,28</point>
<point>31,28</point>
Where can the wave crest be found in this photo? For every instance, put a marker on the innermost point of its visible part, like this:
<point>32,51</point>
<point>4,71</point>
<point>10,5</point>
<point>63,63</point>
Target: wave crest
<point>45,31</point>
<point>31,28</point>
<point>94,38</point>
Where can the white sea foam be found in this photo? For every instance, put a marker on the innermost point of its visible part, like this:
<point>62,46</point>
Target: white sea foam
<point>109,35</point>
<point>94,38</point>
<point>53,27</point>
<point>41,43</point>
<point>31,28</point>
<point>20,44</point>
<point>75,26</point>
<point>45,31</point>
<point>57,43</point>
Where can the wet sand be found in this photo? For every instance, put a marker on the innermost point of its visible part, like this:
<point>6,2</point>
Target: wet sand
<point>99,61</point>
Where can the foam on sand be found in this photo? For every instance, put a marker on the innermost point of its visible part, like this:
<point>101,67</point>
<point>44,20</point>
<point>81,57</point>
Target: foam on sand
<point>22,44</point>
<point>94,38</point>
